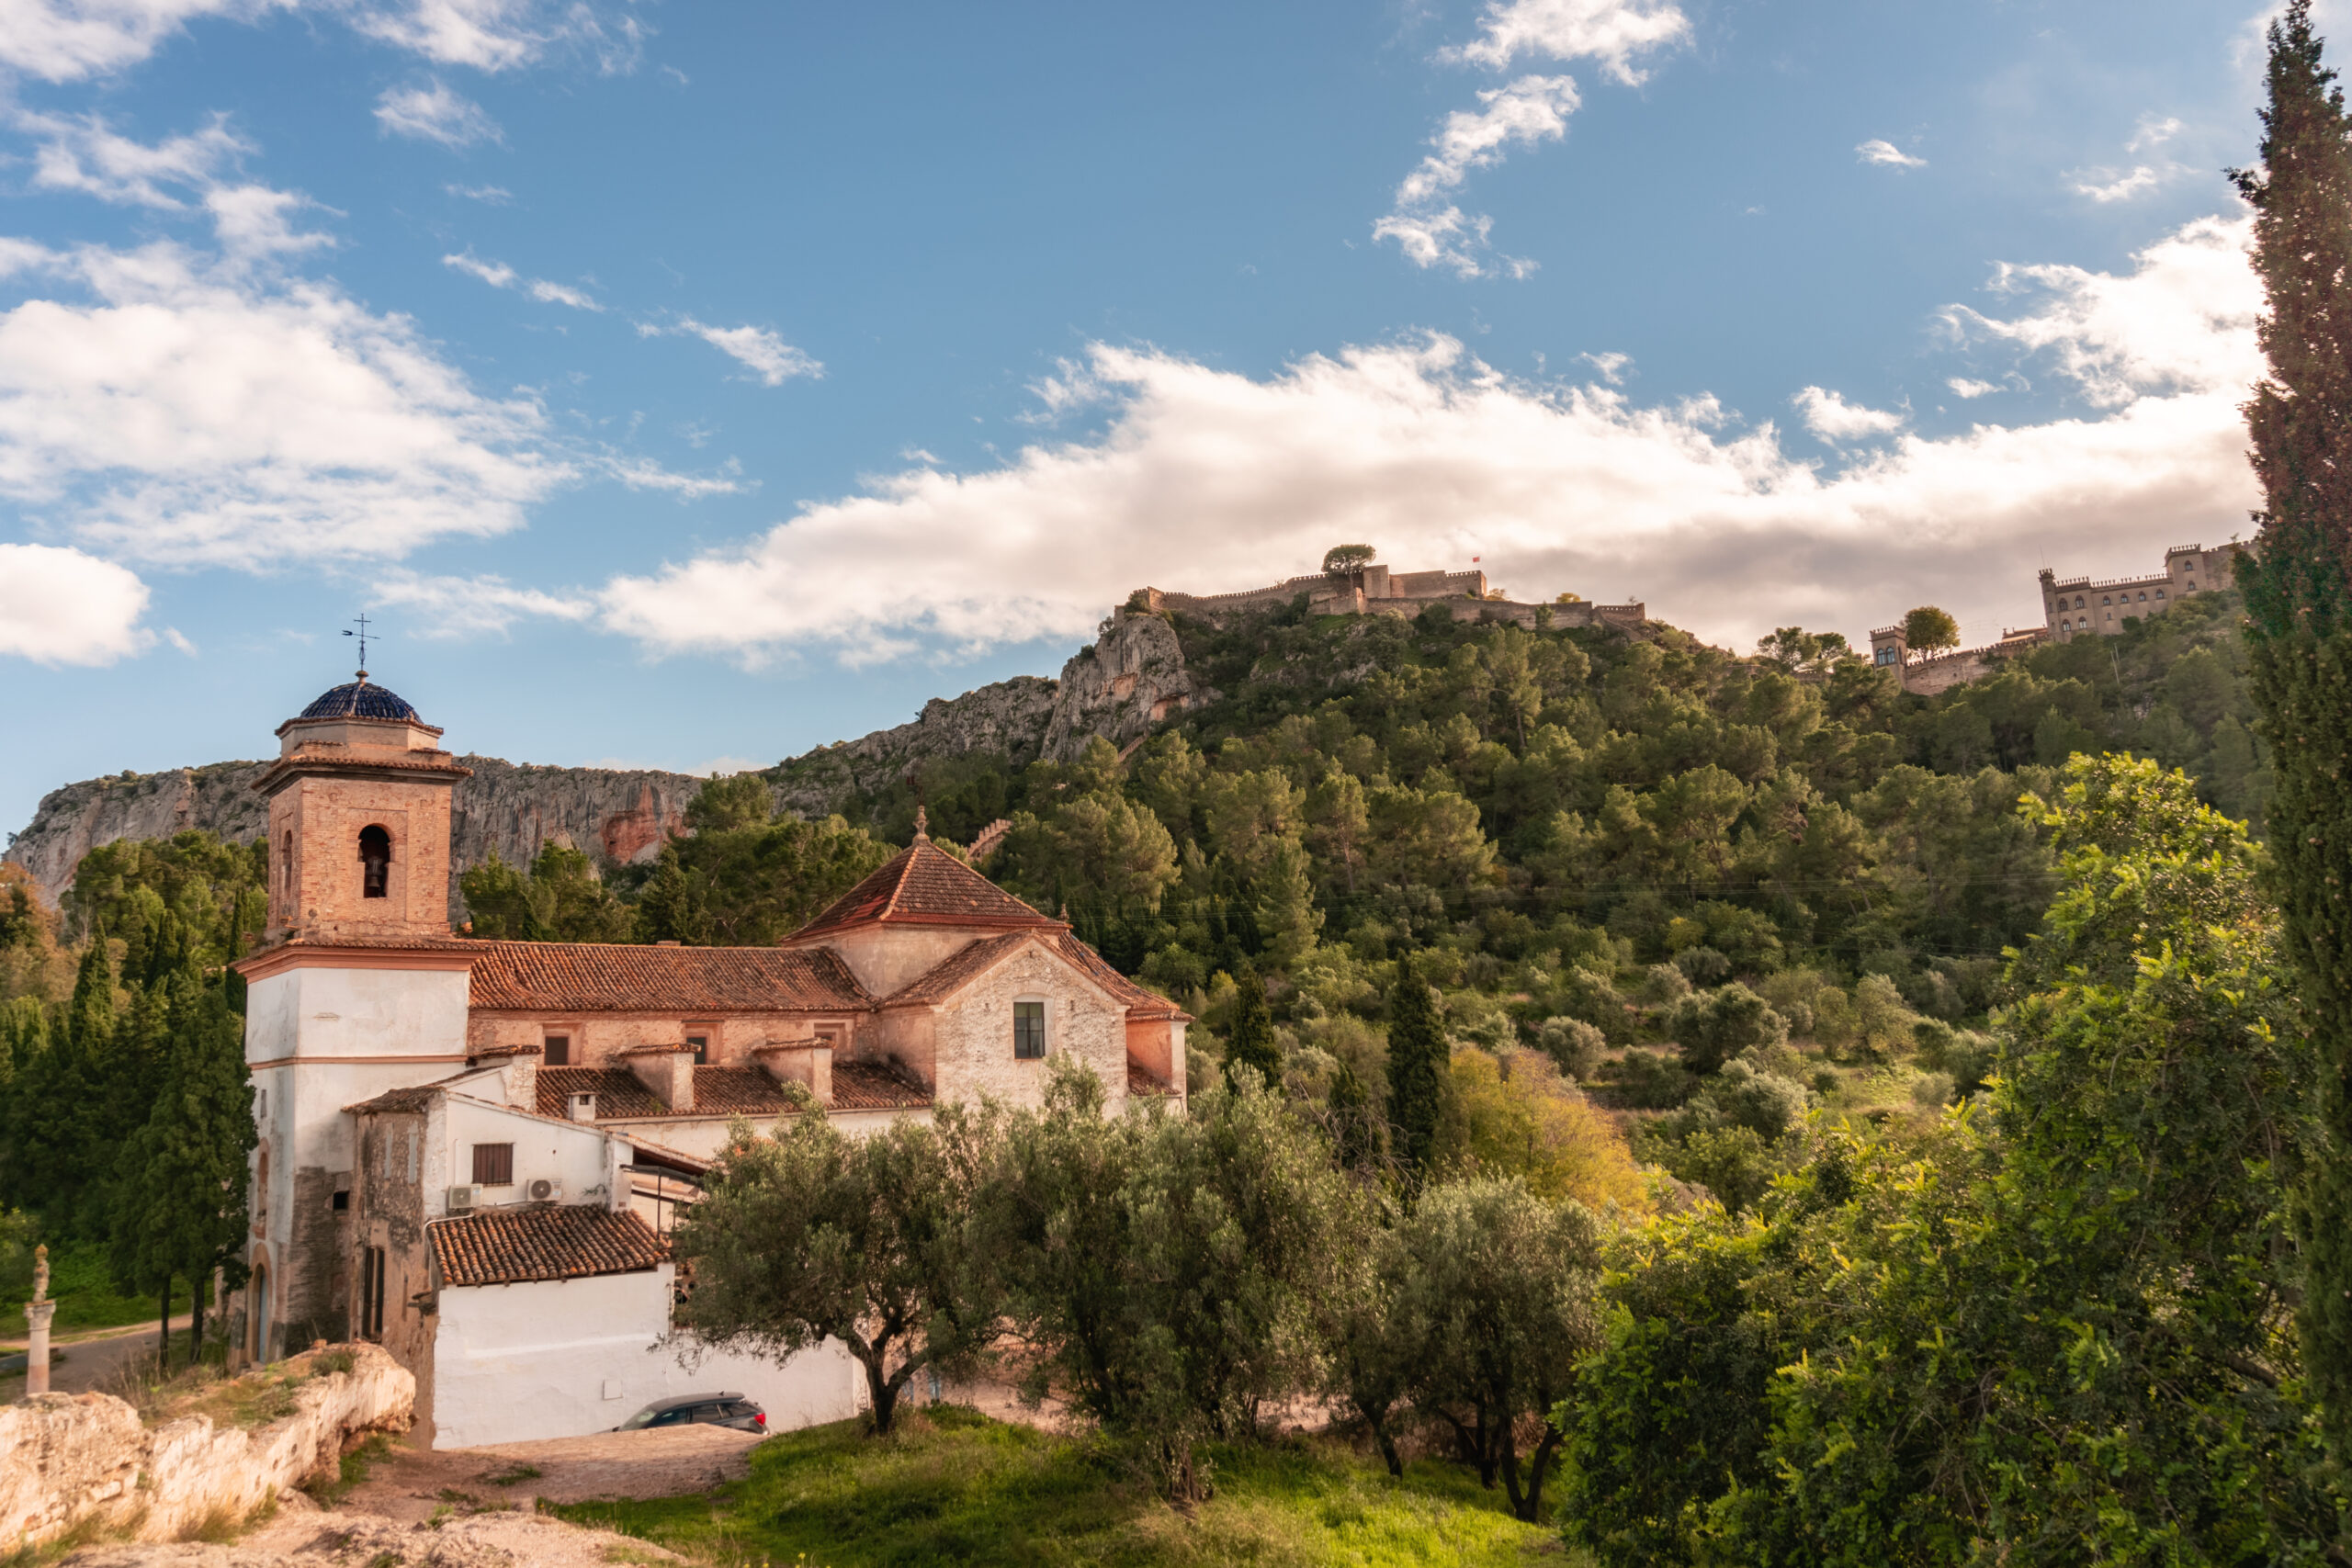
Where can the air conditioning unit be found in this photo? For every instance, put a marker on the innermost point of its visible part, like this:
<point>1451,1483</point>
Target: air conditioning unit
<point>545,1191</point>
<point>462,1199</point>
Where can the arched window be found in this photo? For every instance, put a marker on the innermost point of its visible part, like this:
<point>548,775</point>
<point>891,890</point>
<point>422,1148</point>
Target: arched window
<point>376,857</point>
<point>285,864</point>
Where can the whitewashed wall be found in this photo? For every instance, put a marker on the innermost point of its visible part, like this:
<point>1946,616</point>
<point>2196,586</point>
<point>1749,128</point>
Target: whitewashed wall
<point>560,1358</point>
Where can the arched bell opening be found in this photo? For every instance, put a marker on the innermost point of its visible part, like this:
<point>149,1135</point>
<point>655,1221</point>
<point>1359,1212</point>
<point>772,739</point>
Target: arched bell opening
<point>376,860</point>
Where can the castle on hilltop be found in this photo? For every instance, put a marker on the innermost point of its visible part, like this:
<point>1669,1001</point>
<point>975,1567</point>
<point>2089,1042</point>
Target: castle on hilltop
<point>2072,607</point>
<point>1376,591</point>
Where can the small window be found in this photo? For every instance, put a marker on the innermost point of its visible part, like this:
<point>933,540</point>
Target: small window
<point>341,1202</point>
<point>2159,592</point>
<point>376,860</point>
<point>1028,1030</point>
<point>556,1052</point>
<point>2192,586</point>
<point>493,1165</point>
<point>371,1293</point>
<point>701,1042</point>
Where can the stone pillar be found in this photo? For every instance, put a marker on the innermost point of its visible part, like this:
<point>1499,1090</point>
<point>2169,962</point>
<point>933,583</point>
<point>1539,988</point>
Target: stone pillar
<point>37,1312</point>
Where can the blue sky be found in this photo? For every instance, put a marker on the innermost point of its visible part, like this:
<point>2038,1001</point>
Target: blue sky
<point>689,385</point>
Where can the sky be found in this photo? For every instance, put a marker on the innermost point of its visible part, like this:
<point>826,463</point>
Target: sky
<point>687,385</point>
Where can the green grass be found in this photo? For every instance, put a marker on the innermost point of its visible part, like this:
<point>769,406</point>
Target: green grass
<point>955,1486</point>
<point>83,1287</point>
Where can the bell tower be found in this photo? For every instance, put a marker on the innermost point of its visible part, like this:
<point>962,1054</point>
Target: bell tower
<point>358,988</point>
<point>359,820</point>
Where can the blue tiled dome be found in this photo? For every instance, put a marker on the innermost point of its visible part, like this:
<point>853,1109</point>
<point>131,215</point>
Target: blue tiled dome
<point>360,700</point>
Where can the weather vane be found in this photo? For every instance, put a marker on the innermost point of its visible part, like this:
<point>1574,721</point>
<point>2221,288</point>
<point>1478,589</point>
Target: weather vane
<point>362,634</point>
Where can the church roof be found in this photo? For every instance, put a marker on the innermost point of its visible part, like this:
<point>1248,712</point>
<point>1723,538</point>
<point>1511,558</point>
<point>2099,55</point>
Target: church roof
<point>1139,1002</point>
<point>722,1091</point>
<point>514,1246</point>
<point>585,976</point>
<point>358,699</point>
<point>923,884</point>
<point>951,974</point>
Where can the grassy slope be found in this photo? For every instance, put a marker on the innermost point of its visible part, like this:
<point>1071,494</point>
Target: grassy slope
<point>80,1285</point>
<point>955,1486</point>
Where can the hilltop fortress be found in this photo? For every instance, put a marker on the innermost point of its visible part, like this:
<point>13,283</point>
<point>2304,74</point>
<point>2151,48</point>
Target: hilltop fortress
<point>1376,591</point>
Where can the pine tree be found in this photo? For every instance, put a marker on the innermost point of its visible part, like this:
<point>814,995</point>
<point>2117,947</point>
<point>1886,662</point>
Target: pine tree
<point>1251,1042</point>
<point>2300,636</point>
<point>179,1209</point>
<point>1417,1065</point>
<point>59,1119</point>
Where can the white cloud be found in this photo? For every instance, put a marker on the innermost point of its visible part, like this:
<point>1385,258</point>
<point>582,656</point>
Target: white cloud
<point>1426,226</point>
<point>1429,227</point>
<point>1610,365</point>
<point>1610,31</point>
<point>465,606</point>
<point>491,195</point>
<point>2154,131</point>
<point>498,275</point>
<point>166,409</point>
<point>1834,418</point>
<point>60,607</point>
<point>85,155</point>
<point>1963,386</point>
<point>65,41</point>
<point>433,113</point>
<point>2105,184</point>
<point>1435,457</point>
<point>766,355</point>
<point>643,473</point>
<point>254,220</point>
<point>1889,154</point>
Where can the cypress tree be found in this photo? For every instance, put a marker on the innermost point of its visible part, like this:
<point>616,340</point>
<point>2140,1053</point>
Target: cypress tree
<point>61,1119</point>
<point>1417,1065</point>
<point>2298,633</point>
<point>179,1209</point>
<point>1252,1041</point>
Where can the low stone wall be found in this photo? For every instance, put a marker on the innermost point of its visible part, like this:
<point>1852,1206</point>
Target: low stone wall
<point>66,1458</point>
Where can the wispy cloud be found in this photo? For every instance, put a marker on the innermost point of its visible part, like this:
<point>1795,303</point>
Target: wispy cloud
<point>466,606</point>
<point>498,275</point>
<point>491,195</point>
<point>1426,221</point>
<point>1888,155</point>
<point>433,112</point>
<point>769,358</point>
<point>178,173</point>
<point>2105,185</point>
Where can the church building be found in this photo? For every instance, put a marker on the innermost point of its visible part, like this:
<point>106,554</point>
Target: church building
<point>470,1151</point>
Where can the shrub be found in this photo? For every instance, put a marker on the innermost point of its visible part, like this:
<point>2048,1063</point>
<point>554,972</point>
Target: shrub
<point>1661,985</point>
<point>1702,965</point>
<point>1572,1042</point>
<point>1932,1089</point>
<point>1715,1026</point>
<point>1648,1081</point>
<point>1733,1163</point>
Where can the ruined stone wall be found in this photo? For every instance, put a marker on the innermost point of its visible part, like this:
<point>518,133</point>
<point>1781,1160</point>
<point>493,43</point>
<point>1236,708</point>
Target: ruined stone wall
<point>67,1460</point>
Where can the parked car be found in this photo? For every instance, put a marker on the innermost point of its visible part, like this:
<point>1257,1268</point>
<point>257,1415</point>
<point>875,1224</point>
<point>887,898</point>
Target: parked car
<point>699,1410</point>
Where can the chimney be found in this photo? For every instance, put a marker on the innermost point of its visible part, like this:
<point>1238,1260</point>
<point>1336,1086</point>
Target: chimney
<point>806,1060</point>
<point>583,1107</point>
<point>668,1071</point>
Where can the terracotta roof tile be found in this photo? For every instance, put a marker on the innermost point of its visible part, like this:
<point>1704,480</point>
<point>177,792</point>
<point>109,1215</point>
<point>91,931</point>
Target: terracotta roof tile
<point>582,976</point>
<point>872,1086</point>
<point>723,1091</point>
<point>513,1246</point>
<point>1139,1002</point>
<point>923,884</point>
<point>399,1099</point>
<point>948,975</point>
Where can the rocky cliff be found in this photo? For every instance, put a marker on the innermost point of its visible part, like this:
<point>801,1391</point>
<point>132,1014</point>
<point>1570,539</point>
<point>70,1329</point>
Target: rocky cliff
<point>1131,678</point>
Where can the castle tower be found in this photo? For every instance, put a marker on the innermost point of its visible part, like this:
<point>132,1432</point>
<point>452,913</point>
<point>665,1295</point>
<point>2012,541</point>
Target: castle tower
<point>358,988</point>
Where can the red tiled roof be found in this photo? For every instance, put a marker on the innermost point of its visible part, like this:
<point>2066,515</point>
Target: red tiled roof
<point>871,1085</point>
<point>923,884</point>
<point>1138,1002</point>
<point>513,1247</point>
<point>723,1091</point>
<point>944,978</point>
<point>584,976</point>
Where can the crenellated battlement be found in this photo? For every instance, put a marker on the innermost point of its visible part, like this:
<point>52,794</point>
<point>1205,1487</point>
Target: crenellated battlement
<point>1377,590</point>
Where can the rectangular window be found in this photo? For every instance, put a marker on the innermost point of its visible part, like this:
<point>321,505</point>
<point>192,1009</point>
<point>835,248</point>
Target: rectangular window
<point>493,1165</point>
<point>1028,1030</point>
<point>556,1052</point>
<point>701,1042</point>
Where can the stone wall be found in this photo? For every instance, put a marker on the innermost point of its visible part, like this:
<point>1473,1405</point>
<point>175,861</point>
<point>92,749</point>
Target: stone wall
<point>65,1459</point>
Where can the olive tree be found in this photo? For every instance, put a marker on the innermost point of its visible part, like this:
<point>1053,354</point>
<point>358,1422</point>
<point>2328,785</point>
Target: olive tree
<point>810,1234</point>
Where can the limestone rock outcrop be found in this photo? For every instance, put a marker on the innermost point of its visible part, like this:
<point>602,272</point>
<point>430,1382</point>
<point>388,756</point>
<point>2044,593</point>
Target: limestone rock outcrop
<point>1120,687</point>
<point>65,1459</point>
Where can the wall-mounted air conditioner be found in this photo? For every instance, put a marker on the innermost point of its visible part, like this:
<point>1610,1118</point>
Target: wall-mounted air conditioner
<point>545,1191</point>
<point>462,1199</point>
